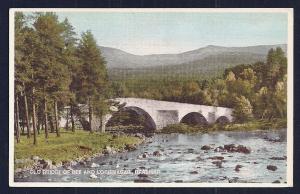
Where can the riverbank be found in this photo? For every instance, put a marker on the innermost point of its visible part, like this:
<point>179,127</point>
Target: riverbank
<point>246,126</point>
<point>71,146</point>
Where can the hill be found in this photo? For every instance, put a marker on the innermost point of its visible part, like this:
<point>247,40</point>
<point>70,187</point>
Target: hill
<point>207,61</point>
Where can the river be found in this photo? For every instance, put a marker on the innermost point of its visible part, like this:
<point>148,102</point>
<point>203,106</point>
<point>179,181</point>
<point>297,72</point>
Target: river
<point>181,159</point>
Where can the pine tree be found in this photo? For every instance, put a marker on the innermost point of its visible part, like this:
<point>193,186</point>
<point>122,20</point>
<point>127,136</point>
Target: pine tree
<point>50,72</point>
<point>22,63</point>
<point>92,77</point>
<point>71,60</point>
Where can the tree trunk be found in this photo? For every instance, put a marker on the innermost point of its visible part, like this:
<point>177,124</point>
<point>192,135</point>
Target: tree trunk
<point>42,125</point>
<point>38,125</point>
<point>72,118</point>
<point>17,124</point>
<point>51,123</point>
<point>56,119</point>
<point>22,126</point>
<point>90,115</point>
<point>46,117</point>
<point>67,120</point>
<point>26,113</point>
<point>33,118</point>
<point>102,124</point>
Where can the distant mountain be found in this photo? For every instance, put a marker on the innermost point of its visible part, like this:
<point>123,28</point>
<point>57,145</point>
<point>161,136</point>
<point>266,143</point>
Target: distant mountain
<point>207,60</point>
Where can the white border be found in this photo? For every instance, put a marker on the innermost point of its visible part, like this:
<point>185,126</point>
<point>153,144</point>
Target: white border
<point>290,103</point>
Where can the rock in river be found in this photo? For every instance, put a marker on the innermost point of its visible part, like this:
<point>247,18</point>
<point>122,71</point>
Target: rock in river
<point>271,167</point>
<point>157,153</point>
<point>278,158</point>
<point>239,148</point>
<point>217,163</point>
<point>243,149</point>
<point>237,167</point>
<point>205,147</point>
<point>129,147</point>
<point>216,158</point>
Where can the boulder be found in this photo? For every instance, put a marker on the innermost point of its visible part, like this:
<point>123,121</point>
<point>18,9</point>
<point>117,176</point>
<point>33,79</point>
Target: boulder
<point>157,153</point>
<point>216,158</point>
<point>107,150</point>
<point>129,147</point>
<point>218,163</point>
<point>278,158</point>
<point>219,149</point>
<point>229,147</point>
<point>272,167</point>
<point>237,167</point>
<point>243,149</point>
<point>205,147</point>
<point>145,155</point>
<point>239,148</point>
<point>47,164</point>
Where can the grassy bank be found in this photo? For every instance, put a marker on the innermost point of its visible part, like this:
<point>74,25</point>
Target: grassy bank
<point>247,126</point>
<point>69,146</point>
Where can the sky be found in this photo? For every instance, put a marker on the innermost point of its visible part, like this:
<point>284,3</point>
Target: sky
<point>165,32</point>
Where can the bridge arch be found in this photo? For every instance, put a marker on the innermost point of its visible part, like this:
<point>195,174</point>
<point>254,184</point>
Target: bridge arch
<point>148,121</point>
<point>194,118</point>
<point>222,120</point>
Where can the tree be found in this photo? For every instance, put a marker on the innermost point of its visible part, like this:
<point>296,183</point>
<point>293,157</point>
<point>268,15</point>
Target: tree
<point>71,60</point>
<point>22,63</point>
<point>92,77</point>
<point>49,72</point>
<point>280,97</point>
<point>243,109</point>
<point>275,68</point>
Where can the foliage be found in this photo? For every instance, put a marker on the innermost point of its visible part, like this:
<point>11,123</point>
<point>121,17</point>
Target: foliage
<point>243,109</point>
<point>263,86</point>
<point>245,126</point>
<point>54,69</point>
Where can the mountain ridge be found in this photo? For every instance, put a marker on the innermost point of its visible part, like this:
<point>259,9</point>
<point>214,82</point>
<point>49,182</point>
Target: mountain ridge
<point>117,58</point>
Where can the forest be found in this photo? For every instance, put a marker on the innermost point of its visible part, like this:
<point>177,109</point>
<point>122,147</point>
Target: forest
<point>257,90</point>
<point>54,69</point>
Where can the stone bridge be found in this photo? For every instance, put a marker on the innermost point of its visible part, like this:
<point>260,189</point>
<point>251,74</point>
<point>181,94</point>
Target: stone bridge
<point>159,114</point>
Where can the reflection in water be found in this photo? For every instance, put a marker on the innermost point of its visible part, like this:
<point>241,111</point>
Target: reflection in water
<point>182,160</point>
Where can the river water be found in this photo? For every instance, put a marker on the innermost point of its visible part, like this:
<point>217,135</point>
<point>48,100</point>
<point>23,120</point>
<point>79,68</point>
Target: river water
<point>183,160</point>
